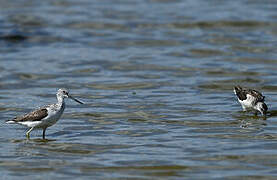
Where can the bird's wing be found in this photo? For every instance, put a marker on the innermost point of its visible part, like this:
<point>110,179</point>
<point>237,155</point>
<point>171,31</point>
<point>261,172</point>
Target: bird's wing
<point>258,96</point>
<point>242,94</point>
<point>36,115</point>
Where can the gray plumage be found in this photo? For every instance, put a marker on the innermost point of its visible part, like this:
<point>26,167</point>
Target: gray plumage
<point>36,115</point>
<point>46,116</point>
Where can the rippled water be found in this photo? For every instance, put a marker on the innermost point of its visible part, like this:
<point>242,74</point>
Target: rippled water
<point>157,79</point>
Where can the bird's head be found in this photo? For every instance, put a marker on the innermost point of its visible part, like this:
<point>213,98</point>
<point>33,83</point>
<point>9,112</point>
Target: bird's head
<point>64,93</point>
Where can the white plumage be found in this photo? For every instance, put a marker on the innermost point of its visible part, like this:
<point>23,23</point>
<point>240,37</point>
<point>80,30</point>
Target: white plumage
<point>46,116</point>
<point>251,100</point>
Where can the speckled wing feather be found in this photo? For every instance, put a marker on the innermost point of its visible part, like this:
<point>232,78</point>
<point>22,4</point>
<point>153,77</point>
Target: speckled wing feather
<point>259,97</point>
<point>36,115</point>
<point>242,94</point>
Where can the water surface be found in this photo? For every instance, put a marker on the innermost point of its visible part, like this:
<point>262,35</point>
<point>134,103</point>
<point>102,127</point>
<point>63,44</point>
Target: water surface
<point>157,79</point>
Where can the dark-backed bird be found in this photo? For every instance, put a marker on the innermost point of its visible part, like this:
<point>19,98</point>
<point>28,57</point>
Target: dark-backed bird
<point>44,117</point>
<point>251,100</point>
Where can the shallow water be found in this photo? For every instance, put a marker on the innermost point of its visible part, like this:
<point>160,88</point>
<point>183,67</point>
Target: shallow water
<point>156,78</point>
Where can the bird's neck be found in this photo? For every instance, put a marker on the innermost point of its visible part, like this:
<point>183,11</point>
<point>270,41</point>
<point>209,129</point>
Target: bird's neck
<point>60,100</point>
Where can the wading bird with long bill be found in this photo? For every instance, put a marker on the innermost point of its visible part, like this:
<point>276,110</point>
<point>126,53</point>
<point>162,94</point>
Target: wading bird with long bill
<point>44,117</point>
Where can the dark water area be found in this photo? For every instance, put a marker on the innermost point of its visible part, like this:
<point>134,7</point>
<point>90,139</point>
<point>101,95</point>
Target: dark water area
<point>157,80</point>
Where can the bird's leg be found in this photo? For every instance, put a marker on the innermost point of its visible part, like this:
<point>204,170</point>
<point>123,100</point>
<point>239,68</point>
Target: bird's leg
<point>28,132</point>
<point>256,113</point>
<point>244,109</point>
<point>43,133</point>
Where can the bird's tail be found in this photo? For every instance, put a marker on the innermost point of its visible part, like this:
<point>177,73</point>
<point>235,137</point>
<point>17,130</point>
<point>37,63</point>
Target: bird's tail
<point>10,121</point>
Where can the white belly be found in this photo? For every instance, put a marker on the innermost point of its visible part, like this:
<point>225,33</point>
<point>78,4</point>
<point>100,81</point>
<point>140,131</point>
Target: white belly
<point>248,104</point>
<point>52,117</point>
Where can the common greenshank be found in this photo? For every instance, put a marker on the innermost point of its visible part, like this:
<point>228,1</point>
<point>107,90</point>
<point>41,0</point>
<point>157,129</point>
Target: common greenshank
<point>44,117</point>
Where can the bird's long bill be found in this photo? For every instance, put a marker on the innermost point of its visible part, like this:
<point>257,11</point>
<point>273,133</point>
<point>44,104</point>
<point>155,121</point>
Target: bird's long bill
<point>75,100</point>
